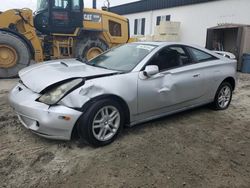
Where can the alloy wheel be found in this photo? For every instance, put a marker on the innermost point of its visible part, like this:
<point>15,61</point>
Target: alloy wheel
<point>106,123</point>
<point>224,96</point>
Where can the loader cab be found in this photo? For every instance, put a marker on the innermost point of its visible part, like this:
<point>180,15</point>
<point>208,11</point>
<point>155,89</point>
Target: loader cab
<point>58,16</point>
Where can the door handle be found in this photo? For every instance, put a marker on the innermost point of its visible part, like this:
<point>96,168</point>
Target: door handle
<point>163,90</point>
<point>196,75</point>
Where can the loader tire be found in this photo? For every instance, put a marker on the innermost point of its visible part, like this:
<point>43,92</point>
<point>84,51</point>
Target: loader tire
<point>14,55</point>
<point>89,48</point>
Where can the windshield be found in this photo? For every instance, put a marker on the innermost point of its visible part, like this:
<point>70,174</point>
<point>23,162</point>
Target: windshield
<point>123,58</point>
<point>42,5</point>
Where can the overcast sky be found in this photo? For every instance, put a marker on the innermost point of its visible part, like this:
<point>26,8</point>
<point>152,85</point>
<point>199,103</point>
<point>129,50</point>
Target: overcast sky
<point>32,3</point>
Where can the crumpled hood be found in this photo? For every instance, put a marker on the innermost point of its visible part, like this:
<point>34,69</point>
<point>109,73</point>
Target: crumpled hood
<point>41,75</point>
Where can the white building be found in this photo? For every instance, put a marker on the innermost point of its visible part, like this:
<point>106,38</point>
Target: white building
<point>196,16</point>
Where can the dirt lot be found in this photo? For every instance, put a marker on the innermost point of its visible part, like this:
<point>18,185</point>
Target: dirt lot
<point>198,148</point>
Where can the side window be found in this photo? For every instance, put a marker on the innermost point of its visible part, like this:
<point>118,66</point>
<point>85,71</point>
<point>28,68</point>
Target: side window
<point>115,29</point>
<point>169,57</point>
<point>76,5</point>
<point>201,56</point>
<point>185,59</point>
<point>42,5</point>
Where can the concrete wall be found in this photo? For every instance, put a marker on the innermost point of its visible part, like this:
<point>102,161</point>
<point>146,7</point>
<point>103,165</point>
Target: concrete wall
<point>195,19</point>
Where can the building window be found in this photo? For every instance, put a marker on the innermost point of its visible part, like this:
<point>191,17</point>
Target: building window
<point>115,29</point>
<point>139,27</point>
<point>162,18</point>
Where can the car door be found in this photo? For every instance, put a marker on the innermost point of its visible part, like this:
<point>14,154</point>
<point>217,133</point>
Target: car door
<point>211,68</point>
<point>179,82</point>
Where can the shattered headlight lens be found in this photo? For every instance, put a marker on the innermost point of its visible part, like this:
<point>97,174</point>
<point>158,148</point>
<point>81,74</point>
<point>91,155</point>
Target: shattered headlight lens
<point>54,95</point>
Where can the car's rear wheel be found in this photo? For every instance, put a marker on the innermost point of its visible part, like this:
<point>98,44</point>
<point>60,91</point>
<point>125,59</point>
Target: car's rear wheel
<point>223,96</point>
<point>102,122</point>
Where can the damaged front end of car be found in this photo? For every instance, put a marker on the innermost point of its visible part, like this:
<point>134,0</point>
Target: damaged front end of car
<point>44,98</point>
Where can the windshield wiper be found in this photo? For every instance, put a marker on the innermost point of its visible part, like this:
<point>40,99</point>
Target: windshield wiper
<point>82,59</point>
<point>98,66</point>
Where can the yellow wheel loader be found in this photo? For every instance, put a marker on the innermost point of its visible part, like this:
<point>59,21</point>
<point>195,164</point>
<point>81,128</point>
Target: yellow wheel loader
<point>58,29</point>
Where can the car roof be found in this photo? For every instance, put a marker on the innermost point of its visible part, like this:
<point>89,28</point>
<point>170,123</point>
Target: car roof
<point>163,43</point>
<point>154,43</point>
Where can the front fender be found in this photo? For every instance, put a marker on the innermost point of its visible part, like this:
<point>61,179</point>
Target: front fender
<point>123,86</point>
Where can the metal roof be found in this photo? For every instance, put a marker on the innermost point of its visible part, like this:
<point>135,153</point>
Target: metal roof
<point>148,5</point>
<point>229,26</point>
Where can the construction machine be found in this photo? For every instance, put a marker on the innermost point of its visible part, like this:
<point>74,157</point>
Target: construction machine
<point>57,29</point>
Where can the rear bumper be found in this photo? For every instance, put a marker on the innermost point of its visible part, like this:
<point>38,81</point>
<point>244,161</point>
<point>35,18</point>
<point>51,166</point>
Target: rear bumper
<point>44,120</point>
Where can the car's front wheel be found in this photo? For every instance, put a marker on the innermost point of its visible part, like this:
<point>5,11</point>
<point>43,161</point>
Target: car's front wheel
<point>102,122</point>
<point>223,96</point>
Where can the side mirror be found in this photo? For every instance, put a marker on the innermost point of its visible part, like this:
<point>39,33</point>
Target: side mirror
<point>151,70</point>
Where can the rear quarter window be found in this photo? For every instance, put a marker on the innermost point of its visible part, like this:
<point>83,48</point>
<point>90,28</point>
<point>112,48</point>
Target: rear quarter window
<point>201,56</point>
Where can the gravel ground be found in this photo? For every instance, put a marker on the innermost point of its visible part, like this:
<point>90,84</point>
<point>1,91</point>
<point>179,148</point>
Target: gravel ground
<point>197,148</point>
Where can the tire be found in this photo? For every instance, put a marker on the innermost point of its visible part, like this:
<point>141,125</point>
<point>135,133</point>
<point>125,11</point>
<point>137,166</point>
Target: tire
<point>96,115</point>
<point>84,46</point>
<point>222,100</point>
<point>22,55</point>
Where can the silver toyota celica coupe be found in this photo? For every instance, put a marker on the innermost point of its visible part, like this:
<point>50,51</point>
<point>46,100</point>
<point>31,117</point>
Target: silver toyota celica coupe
<point>124,86</point>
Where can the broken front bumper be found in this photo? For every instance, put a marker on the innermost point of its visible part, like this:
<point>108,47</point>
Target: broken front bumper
<point>46,121</point>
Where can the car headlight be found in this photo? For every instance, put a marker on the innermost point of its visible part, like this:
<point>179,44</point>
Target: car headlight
<point>54,95</point>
